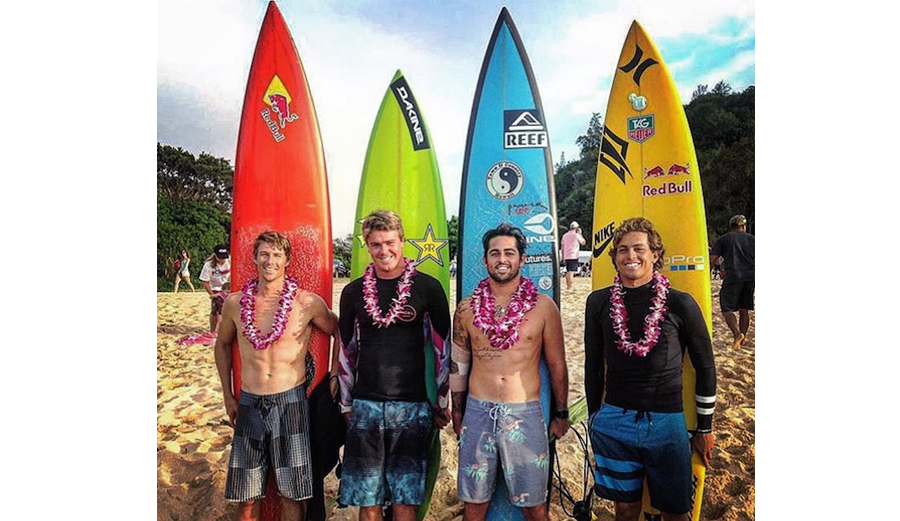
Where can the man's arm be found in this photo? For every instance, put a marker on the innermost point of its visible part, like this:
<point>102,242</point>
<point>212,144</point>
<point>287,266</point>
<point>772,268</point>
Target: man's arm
<point>594,370</point>
<point>699,347</point>
<point>555,354</point>
<point>581,238</point>
<point>327,322</point>
<point>460,358</point>
<point>222,351</point>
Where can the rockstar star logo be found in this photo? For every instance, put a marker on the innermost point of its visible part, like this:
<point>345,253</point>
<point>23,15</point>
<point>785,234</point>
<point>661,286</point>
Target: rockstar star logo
<point>429,247</point>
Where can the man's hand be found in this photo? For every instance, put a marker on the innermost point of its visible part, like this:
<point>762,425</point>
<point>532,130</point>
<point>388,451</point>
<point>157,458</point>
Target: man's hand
<point>441,417</point>
<point>347,418</point>
<point>558,428</point>
<point>333,386</point>
<point>703,443</point>
<point>231,409</point>
<point>457,422</point>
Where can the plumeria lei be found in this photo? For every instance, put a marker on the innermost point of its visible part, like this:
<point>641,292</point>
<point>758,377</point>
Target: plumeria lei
<point>652,321</point>
<point>248,312</point>
<point>370,294</point>
<point>504,334</point>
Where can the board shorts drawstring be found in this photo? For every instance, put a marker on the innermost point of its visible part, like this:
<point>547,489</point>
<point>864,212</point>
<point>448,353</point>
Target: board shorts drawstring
<point>495,413</point>
<point>264,405</point>
<point>639,415</point>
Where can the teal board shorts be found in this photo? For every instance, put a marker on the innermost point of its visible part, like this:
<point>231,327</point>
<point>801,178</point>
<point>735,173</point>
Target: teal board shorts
<point>386,453</point>
<point>511,435</point>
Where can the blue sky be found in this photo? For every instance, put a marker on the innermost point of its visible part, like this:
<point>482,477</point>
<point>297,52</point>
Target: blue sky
<point>351,49</point>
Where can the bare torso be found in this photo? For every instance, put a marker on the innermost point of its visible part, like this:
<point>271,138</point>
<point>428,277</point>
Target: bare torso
<point>509,375</point>
<point>282,365</point>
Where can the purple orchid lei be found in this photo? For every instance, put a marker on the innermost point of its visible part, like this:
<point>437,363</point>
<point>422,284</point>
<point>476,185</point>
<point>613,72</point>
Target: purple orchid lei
<point>505,334</point>
<point>248,312</point>
<point>652,322</point>
<point>370,294</point>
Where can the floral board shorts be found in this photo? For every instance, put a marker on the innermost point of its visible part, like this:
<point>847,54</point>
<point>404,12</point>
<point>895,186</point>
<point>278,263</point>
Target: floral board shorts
<point>272,431</point>
<point>511,436</point>
<point>386,453</point>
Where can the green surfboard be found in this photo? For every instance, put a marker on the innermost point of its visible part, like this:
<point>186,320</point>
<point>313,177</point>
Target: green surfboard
<point>401,174</point>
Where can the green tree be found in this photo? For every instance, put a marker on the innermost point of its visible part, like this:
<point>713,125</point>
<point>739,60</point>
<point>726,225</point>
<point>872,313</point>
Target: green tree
<point>186,225</point>
<point>193,208</point>
<point>590,140</point>
<point>343,246</point>
<point>182,177</point>
<point>722,124</point>
<point>453,235</point>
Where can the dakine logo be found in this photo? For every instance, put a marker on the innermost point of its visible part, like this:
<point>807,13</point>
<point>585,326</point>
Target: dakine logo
<point>410,111</point>
<point>541,224</point>
<point>504,180</point>
<point>524,129</point>
<point>602,238</point>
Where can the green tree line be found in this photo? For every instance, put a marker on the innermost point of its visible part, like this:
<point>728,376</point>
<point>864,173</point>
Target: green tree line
<point>194,193</point>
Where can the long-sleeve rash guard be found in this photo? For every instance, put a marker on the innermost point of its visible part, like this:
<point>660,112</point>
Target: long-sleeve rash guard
<point>388,364</point>
<point>652,383</point>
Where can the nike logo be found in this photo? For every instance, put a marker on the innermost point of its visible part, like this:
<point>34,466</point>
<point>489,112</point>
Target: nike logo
<point>599,250</point>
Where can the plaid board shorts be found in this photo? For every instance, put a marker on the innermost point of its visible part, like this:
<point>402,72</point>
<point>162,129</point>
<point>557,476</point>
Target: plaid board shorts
<point>272,431</point>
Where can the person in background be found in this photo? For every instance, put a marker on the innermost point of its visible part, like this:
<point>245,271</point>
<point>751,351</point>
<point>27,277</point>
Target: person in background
<point>572,242</point>
<point>737,249</point>
<point>183,272</point>
<point>215,274</point>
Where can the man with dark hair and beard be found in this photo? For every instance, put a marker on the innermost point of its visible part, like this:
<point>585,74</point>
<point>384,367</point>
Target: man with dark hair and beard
<point>500,331</point>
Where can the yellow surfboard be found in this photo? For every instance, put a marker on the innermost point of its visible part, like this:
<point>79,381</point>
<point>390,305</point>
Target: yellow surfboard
<point>648,167</point>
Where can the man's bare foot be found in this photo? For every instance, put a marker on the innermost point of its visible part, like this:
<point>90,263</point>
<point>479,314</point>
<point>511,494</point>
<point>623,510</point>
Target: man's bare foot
<point>738,340</point>
<point>745,341</point>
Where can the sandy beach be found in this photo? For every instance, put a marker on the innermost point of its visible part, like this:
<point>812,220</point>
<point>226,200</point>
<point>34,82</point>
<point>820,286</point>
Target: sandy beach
<point>193,440</point>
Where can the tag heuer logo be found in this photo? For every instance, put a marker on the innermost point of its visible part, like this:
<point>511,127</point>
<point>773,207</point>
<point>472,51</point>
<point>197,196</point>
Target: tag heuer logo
<point>641,128</point>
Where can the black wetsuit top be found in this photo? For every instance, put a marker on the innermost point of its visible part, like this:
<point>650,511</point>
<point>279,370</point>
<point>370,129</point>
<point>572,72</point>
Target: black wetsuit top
<point>652,383</point>
<point>391,361</point>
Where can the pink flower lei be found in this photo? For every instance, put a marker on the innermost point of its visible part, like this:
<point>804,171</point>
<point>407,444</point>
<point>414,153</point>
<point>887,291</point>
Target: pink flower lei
<point>652,322</point>
<point>504,334</point>
<point>248,312</point>
<point>370,294</point>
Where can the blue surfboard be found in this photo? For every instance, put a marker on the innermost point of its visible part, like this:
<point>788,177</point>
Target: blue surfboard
<point>508,177</point>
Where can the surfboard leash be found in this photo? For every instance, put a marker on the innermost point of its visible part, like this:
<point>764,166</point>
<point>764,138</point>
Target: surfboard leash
<point>582,510</point>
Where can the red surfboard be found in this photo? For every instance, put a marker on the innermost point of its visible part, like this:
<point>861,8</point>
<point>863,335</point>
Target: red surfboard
<point>280,184</point>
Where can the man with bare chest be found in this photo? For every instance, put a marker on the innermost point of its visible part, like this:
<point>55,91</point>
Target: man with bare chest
<point>500,332</point>
<point>272,318</point>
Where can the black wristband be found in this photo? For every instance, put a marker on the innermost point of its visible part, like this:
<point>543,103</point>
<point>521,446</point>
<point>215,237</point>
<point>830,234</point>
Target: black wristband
<point>562,414</point>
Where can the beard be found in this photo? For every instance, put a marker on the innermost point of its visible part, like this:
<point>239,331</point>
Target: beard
<point>510,275</point>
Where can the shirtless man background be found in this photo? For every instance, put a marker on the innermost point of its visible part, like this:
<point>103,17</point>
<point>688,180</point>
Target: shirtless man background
<point>501,330</point>
<point>272,319</point>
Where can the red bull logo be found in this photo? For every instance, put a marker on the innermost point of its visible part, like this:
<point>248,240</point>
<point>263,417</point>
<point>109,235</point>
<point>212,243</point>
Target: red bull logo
<point>656,171</point>
<point>281,106</point>
<point>278,99</point>
<point>677,169</point>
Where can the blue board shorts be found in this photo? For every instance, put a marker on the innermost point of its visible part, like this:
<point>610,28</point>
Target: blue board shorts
<point>513,435</point>
<point>629,445</point>
<point>271,431</point>
<point>386,453</point>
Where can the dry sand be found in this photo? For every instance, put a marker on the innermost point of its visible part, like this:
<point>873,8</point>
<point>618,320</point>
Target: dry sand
<point>193,439</point>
